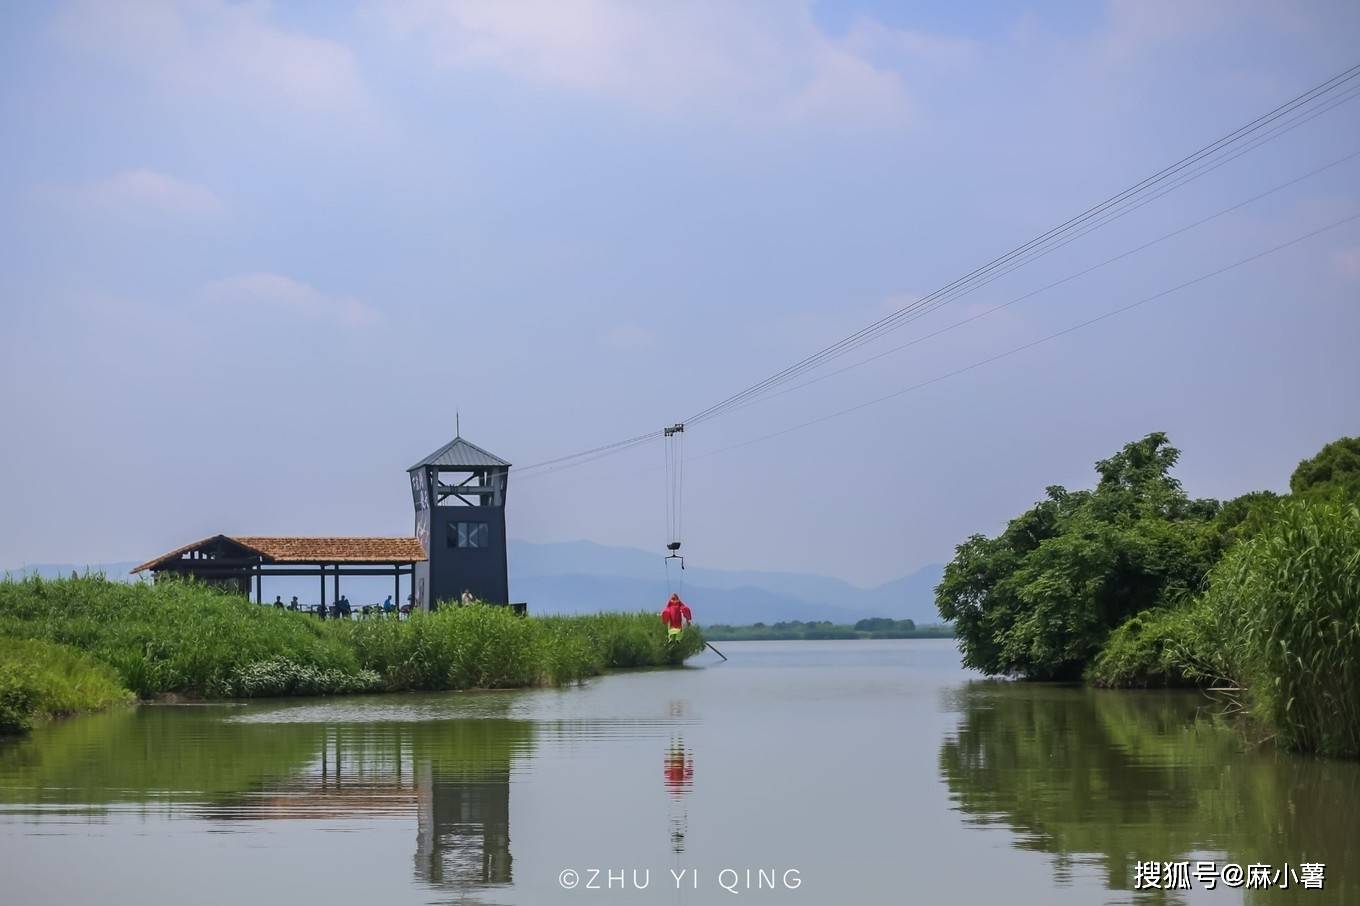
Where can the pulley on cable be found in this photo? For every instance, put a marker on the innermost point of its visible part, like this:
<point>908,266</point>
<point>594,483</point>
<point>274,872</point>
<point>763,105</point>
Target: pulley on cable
<point>674,437</point>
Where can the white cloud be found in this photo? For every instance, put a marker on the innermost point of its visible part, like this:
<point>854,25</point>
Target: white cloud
<point>284,294</point>
<point>750,60</point>
<point>219,49</point>
<point>628,336</point>
<point>147,191</point>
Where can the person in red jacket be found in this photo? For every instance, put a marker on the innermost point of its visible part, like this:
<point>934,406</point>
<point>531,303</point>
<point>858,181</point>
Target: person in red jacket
<point>676,616</point>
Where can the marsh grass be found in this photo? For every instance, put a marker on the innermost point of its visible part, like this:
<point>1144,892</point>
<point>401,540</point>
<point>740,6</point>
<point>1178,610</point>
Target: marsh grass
<point>192,640</point>
<point>171,637</point>
<point>1288,602</point>
<point>480,647</point>
<point>620,640</point>
<point>41,680</point>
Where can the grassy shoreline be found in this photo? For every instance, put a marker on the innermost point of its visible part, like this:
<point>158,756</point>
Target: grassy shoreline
<point>83,644</point>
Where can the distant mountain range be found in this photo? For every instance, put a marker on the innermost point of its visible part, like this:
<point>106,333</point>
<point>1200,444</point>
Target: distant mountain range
<point>582,577</point>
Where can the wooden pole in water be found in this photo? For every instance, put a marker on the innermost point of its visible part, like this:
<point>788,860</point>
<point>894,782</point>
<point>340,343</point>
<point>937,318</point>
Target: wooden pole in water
<point>715,650</point>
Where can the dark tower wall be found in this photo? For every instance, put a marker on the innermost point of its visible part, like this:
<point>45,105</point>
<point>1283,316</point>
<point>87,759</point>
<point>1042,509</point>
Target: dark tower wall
<point>484,571</point>
<point>459,497</point>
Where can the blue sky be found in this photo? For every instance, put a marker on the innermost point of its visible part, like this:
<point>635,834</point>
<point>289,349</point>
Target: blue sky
<point>257,255</point>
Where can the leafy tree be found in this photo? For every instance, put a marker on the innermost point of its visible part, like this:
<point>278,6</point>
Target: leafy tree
<point>1334,471</point>
<point>1245,516</point>
<point>1040,598</point>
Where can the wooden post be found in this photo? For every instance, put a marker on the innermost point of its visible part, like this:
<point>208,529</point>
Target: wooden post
<point>323,586</point>
<point>337,583</point>
<point>259,599</point>
<point>396,587</point>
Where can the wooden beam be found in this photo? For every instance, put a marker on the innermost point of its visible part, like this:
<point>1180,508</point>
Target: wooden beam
<point>287,571</point>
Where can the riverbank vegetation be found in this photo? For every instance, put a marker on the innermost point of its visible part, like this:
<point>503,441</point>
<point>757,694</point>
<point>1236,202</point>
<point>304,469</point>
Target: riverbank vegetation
<point>1134,583</point>
<point>816,630</point>
<point>42,679</point>
<point>85,643</point>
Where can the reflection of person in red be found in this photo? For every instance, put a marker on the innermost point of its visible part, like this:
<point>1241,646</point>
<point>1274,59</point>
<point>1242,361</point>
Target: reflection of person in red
<point>676,616</point>
<point>678,770</point>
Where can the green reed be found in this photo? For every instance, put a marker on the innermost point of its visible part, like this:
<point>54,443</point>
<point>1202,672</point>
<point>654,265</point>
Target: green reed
<point>183,638</point>
<point>483,647</point>
<point>173,637</point>
<point>1288,602</point>
<point>41,679</point>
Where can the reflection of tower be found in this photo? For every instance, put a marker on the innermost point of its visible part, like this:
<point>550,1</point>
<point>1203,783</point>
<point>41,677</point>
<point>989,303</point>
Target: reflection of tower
<point>463,827</point>
<point>679,773</point>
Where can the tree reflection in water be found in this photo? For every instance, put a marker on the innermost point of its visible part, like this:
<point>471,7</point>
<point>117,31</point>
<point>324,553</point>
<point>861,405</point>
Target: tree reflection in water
<point>1112,778</point>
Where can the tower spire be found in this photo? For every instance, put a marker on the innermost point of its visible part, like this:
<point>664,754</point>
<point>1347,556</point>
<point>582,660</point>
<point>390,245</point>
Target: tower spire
<point>457,424</point>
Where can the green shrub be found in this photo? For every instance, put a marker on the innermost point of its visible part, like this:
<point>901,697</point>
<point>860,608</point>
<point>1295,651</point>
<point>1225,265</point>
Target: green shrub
<point>17,702</point>
<point>1334,471</point>
<point>281,677</point>
<point>43,679</point>
<point>1288,601</point>
<point>1161,647</point>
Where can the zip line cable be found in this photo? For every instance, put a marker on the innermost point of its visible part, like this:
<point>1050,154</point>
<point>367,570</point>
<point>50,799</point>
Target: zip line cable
<point>1226,141</point>
<point>959,293</point>
<point>1056,283</point>
<point>1053,336</point>
<point>1069,225</point>
<point>1033,343</point>
<point>1094,217</point>
<point>1024,297</point>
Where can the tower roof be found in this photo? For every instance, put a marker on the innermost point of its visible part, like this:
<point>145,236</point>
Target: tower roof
<point>461,454</point>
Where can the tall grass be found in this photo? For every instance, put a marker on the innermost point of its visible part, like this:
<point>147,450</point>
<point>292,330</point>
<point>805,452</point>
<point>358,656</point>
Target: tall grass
<point>174,636</point>
<point>489,647</point>
<point>189,639</point>
<point>625,639</point>
<point>43,679</point>
<point>1288,602</point>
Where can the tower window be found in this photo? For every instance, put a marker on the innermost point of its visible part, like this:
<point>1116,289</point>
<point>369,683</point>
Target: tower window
<point>469,534</point>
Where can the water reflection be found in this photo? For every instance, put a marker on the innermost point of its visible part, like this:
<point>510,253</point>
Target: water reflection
<point>679,774</point>
<point>463,828</point>
<point>1106,779</point>
<point>453,776</point>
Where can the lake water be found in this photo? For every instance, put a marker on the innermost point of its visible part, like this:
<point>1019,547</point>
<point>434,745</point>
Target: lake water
<point>837,772</point>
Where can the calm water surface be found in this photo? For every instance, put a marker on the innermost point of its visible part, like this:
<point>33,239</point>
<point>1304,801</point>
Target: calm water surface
<point>880,772</point>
